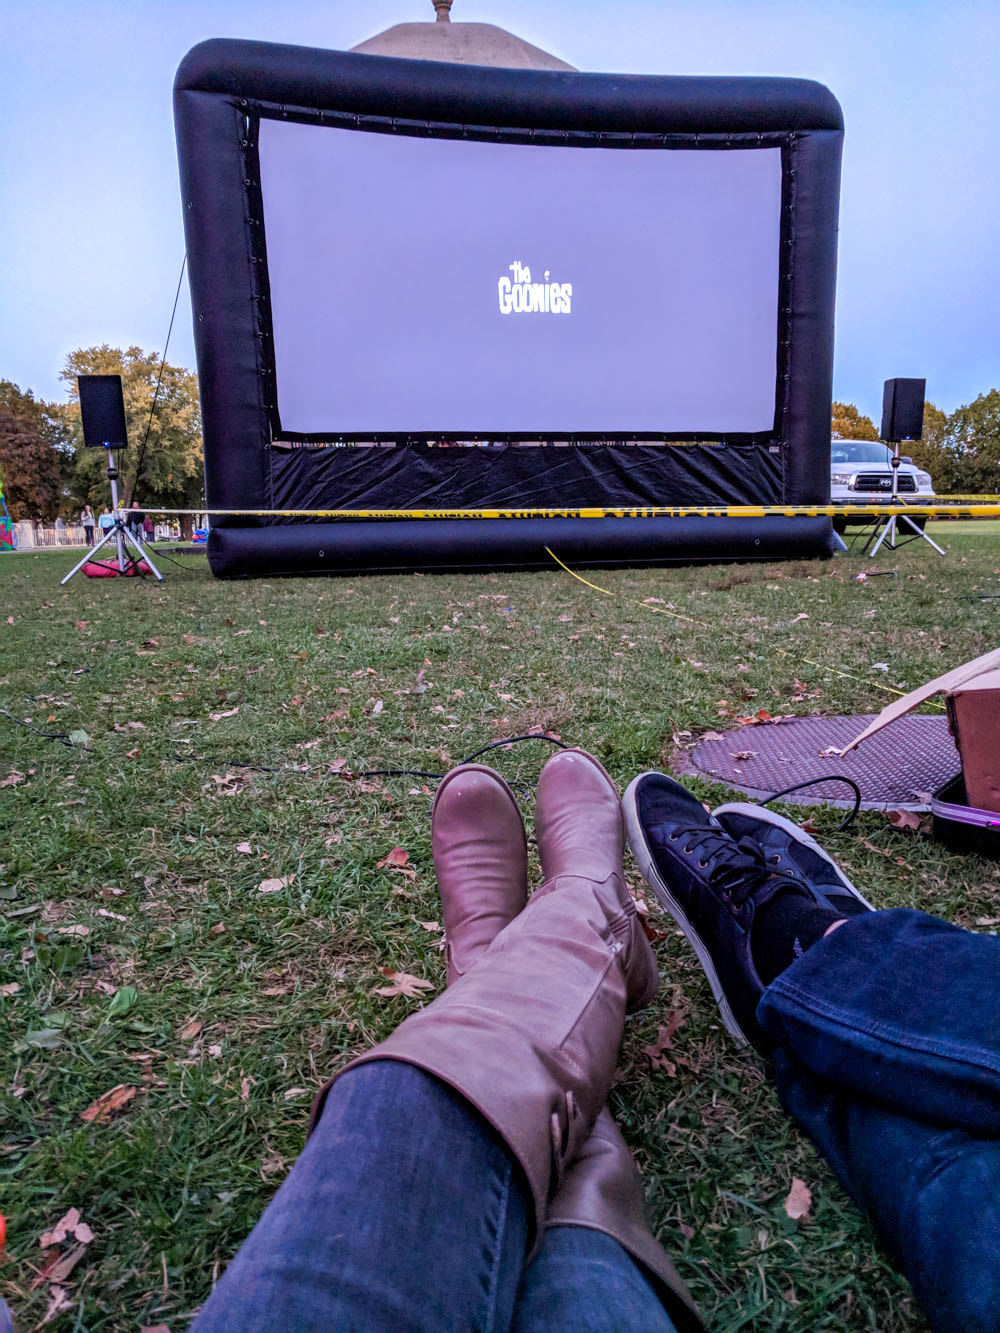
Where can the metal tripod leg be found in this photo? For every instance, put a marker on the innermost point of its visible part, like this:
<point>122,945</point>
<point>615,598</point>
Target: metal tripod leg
<point>920,533</point>
<point>143,553</point>
<point>890,526</point>
<point>89,556</point>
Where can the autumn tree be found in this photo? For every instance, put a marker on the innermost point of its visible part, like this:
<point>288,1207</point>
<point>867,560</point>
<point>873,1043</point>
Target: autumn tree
<point>169,471</point>
<point>850,424</point>
<point>32,443</point>
<point>973,438</point>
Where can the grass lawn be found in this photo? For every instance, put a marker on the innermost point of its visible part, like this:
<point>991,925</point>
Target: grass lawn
<point>140,950</point>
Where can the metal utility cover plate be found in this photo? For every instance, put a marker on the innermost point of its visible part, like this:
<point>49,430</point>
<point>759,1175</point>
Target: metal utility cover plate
<point>896,768</point>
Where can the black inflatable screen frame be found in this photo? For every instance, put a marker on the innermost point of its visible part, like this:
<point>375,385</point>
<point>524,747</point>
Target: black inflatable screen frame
<point>221,91</point>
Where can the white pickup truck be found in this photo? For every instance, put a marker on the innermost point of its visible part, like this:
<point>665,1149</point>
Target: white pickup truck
<point>860,471</point>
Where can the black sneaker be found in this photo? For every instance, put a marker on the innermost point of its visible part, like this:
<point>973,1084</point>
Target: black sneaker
<point>789,848</point>
<point>712,886</point>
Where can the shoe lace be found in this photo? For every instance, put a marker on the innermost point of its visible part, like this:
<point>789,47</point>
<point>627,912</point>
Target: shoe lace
<point>736,869</point>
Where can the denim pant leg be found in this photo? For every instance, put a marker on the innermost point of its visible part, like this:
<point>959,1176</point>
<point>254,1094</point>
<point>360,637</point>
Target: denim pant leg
<point>888,1054</point>
<point>405,1212</point>
<point>584,1281</point>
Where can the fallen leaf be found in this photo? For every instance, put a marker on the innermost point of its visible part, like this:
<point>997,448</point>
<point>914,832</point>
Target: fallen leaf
<point>910,820</point>
<point>664,1040</point>
<point>154,1328</point>
<point>984,921</point>
<point>12,778</point>
<point>229,712</point>
<point>11,988</point>
<point>430,925</point>
<point>131,754</point>
<point>402,893</point>
<point>69,1225</point>
<point>799,1200</point>
<point>109,1104</point>
<point>403,983</point>
<point>333,838</point>
<point>397,857</point>
<point>714,736</point>
<point>218,929</point>
<point>246,1083</point>
<point>190,1029</point>
<point>744,754</point>
<point>803,615</point>
<point>274,885</point>
<point>72,930</point>
<point>294,1092</point>
<point>215,1050</point>
<point>81,624</point>
<point>59,1301</point>
<point>244,847</point>
<point>61,1270</point>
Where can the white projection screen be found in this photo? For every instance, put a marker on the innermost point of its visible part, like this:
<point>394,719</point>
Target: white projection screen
<point>430,285</point>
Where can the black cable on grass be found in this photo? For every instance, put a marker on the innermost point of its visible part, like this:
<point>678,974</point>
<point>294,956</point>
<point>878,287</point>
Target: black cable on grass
<point>814,782</point>
<point>61,736</point>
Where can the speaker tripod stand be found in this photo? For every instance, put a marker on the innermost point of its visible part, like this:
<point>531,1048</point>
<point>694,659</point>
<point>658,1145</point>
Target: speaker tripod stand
<point>887,530</point>
<point>119,533</point>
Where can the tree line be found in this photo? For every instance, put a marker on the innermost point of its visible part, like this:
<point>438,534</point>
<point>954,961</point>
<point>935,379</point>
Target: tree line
<point>46,470</point>
<point>960,451</point>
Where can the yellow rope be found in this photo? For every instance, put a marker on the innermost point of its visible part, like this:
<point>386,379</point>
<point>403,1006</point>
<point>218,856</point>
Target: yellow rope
<point>658,610</point>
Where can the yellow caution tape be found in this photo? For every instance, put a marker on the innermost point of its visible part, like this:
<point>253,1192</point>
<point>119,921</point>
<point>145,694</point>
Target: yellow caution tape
<point>649,511</point>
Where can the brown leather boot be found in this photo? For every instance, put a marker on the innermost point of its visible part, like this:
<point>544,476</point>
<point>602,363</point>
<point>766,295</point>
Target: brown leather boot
<point>529,1036</point>
<point>581,831</point>
<point>481,861</point>
<point>602,1191</point>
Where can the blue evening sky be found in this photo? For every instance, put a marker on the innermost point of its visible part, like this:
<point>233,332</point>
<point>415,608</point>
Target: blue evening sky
<point>90,217</point>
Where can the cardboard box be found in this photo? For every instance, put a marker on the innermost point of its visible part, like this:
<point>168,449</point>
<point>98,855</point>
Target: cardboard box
<point>974,718</point>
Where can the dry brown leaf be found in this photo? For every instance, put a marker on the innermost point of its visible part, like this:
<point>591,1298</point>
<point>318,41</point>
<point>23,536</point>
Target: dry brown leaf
<point>109,1104</point>
<point>12,778</point>
<point>229,712</point>
<point>215,1050</point>
<point>244,847</point>
<point>430,925</point>
<point>403,983</point>
<point>62,1269</point>
<point>396,858</point>
<point>246,1083</point>
<point>72,930</point>
<point>988,920</point>
<point>294,1092</point>
<point>664,1040</point>
<point>909,820</point>
<point>11,988</point>
<point>191,1029</point>
<point>69,1225</point>
<point>799,1200</point>
<point>218,929</point>
<point>154,1328</point>
<point>274,885</point>
<point>59,1301</point>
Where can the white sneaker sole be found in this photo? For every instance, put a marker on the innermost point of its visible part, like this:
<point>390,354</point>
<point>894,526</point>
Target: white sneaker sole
<point>796,832</point>
<point>652,876</point>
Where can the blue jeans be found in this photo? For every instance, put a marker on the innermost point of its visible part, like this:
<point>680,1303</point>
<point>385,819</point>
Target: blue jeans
<point>888,1055</point>
<point>406,1212</point>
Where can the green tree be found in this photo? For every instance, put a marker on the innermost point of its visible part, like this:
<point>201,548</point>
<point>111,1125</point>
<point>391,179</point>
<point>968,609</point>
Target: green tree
<point>973,438</point>
<point>931,451</point>
<point>170,471</point>
<point>849,424</point>
<point>32,445</point>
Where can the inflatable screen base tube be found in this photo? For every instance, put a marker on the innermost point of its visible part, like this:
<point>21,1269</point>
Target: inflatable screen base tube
<point>468,544</point>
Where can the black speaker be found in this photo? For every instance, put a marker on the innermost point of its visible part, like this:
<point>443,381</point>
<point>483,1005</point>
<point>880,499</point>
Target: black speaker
<point>903,409</point>
<point>102,410</point>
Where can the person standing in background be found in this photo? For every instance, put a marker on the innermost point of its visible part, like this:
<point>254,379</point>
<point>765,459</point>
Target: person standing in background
<point>87,521</point>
